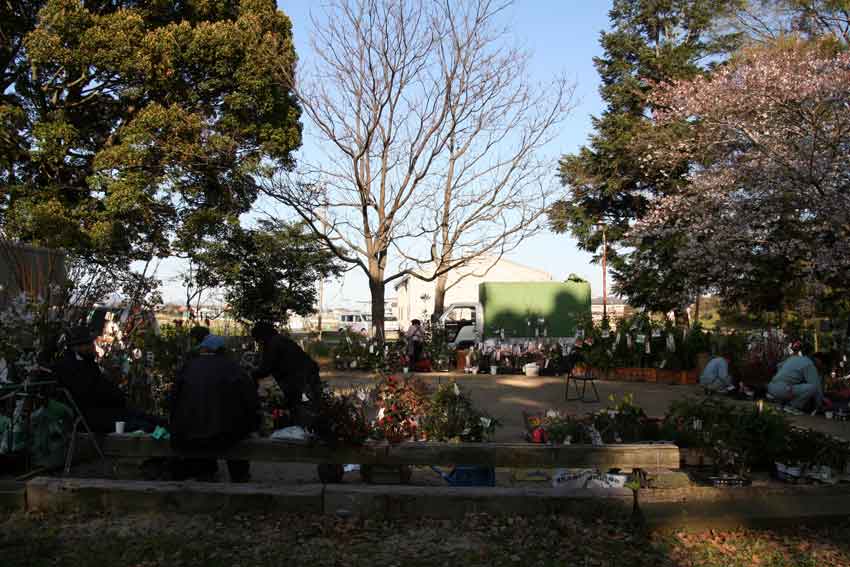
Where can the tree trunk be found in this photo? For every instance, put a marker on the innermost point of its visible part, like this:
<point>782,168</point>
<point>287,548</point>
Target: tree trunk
<point>696,309</point>
<point>377,289</point>
<point>440,296</point>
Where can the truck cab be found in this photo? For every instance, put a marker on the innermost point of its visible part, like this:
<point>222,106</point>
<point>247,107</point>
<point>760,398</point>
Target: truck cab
<point>461,322</point>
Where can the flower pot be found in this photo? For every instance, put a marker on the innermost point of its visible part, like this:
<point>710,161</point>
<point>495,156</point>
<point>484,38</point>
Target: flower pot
<point>460,359</point>
<point>667,376</point>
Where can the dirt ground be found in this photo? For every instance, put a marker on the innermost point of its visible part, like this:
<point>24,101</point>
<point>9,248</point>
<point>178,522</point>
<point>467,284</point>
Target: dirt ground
<point>151,540</point>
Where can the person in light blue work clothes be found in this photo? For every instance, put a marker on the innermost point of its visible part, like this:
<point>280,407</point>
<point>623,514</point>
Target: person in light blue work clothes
<point>715,376</point>
<point>798,382</point>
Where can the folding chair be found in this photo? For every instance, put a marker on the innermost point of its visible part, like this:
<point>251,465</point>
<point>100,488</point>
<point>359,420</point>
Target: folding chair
<point>585,376</point>
<point>46,389</point>
<point>78,421</point>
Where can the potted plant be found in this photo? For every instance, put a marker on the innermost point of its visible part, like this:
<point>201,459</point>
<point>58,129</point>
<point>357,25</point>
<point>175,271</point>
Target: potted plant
<point>400,407</point>
<point>451,416</point>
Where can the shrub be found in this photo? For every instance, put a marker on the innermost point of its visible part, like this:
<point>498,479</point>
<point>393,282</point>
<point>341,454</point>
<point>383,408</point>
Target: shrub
<point>451,416</point>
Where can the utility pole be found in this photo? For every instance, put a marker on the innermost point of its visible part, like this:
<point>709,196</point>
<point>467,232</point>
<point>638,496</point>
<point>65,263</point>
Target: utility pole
<point>603,228</point>
<point>321,304</point>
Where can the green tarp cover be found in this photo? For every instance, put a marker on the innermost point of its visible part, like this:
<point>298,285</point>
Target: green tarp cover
<point>50,425</point>
<point>511,305</point>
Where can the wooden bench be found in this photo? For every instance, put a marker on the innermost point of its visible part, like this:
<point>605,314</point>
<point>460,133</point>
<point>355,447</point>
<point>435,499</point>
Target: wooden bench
<point>526,455</point>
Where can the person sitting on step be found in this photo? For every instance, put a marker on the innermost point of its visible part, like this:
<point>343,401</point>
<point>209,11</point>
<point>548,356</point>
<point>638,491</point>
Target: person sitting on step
<point>214,405</point>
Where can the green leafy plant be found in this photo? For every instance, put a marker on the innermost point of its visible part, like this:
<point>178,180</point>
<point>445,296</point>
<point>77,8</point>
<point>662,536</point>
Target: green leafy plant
<point>562,428</point>
<point>452,416</point>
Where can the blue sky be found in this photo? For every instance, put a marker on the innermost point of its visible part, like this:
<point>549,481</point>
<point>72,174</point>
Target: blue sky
<point>563,36</point>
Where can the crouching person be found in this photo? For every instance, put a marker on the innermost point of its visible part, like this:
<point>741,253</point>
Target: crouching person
<point>715,376</point>
<point>214,405</point>
<point>798,382</point>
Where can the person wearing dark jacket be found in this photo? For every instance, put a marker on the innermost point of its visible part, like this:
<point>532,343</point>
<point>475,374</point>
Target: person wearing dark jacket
<point>100,401</point>
<point>292,368</point>
<point>214,405</point>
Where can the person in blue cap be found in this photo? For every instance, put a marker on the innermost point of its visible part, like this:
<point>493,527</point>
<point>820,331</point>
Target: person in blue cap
<point>214,405</point>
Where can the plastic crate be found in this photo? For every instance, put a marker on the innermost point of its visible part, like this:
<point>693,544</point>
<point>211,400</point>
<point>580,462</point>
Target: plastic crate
<point>469,475</point>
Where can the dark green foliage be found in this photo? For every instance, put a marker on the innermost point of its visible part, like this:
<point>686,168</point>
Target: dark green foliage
<point>436,348</point>
<point>341,420</point>
<point>268,272</point>
<point>131,129</point>
<point>608,180</point>
<point>740,438</point>
<point>451,416</point>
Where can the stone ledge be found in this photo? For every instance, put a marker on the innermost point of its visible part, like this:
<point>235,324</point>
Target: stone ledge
<point>698,508</point>
<point>455,502</point>
<point>51,494</point>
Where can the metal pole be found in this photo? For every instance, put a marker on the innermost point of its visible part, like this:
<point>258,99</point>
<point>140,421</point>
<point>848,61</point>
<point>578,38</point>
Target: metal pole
<point>321,304</point>
<point>604,275</point>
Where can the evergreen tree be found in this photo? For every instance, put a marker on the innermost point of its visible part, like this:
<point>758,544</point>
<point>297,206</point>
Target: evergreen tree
<point>267,272</point>
<point>608,181</point>
<point>130,129</point>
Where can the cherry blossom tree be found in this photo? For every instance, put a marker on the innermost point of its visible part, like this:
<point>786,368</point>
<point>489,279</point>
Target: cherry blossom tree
<point>766,215</point>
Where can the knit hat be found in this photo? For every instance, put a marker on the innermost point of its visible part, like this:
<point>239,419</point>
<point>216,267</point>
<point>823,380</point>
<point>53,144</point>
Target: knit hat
<point>80,335</point>
<point>212,343</point>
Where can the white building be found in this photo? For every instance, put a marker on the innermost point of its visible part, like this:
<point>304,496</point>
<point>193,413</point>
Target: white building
<point>616,308</point>
<point>415,297</point>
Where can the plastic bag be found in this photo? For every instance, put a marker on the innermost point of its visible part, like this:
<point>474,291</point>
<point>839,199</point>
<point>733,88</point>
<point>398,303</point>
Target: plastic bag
<point>292,433</point>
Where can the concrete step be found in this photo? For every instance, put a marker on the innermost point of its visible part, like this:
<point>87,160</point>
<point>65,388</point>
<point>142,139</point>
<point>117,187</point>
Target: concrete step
<point>699,508</point>
<point>694,508</point>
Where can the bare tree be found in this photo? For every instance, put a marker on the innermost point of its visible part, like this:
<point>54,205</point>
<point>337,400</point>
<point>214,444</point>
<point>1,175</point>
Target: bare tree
<point>431,130</point>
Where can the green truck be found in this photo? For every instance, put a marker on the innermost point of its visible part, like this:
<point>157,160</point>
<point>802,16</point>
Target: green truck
<point>517,311</point>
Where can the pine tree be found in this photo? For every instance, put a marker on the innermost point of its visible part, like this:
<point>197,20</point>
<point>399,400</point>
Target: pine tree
<point>608,182</point>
